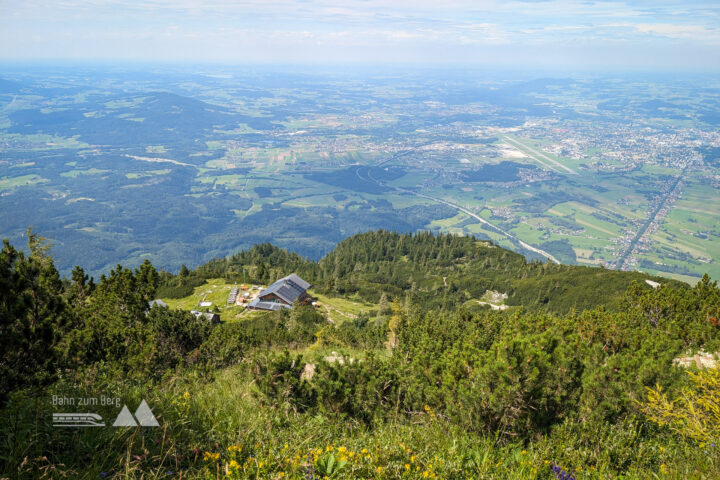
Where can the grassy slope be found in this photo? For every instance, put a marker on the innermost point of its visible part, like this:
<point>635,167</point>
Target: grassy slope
<point>207,423</point>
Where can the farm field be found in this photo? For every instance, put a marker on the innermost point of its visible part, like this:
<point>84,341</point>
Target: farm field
<point>273,164</point>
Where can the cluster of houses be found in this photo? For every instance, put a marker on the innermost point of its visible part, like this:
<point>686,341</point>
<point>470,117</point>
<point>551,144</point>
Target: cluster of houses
<point>280,295</point>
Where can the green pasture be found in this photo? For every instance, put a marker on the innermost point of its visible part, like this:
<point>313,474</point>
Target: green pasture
<point>450,222</point>
<point>690,280</point>
<point>42,141</point>
<point>341,309</point>
<point>530,234</point>
<point>155,149</point>
<point>8,183</point>
<point>215,290</point>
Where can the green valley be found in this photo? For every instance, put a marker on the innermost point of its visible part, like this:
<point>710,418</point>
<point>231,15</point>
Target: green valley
<point>184,167</point>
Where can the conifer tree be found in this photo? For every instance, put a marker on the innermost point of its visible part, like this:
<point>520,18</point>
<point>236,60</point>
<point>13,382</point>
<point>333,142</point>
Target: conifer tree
<point>33,314</point>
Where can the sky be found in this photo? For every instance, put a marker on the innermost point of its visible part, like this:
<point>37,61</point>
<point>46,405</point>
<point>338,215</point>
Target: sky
<point>642,34</point>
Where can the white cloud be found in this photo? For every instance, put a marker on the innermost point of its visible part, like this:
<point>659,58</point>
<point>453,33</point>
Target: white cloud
<point>699,33</point>
<point>678,31</point>
<point>428,29</point>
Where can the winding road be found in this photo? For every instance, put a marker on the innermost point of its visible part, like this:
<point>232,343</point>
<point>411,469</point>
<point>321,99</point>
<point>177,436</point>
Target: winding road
<point>466,211</point>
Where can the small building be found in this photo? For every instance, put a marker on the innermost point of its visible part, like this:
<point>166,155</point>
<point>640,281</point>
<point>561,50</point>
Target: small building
<point>282,294</point>
<point>209,316</point>
<point>157,302</point>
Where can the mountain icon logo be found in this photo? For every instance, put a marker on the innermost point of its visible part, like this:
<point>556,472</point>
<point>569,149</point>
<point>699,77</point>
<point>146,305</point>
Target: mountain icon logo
<point>143,414</point>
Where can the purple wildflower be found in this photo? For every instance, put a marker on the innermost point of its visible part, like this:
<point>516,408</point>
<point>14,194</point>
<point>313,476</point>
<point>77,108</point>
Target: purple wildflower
<point>561,474</point>
<point>309,469</point>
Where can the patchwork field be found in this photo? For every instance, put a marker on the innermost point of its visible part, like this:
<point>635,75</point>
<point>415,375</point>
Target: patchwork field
<point>182,169</point>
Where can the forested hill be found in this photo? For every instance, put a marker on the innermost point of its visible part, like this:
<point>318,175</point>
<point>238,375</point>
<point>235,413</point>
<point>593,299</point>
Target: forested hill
<point>441,270</point>
<point>401,363</point>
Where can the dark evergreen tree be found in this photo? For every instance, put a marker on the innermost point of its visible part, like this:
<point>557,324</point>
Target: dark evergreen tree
<point>33,316</point>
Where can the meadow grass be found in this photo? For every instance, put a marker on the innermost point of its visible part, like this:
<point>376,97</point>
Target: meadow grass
<point>218,425</point>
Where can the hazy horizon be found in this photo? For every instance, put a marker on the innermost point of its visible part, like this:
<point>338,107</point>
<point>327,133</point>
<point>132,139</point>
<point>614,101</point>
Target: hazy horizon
<point>665,36</point>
